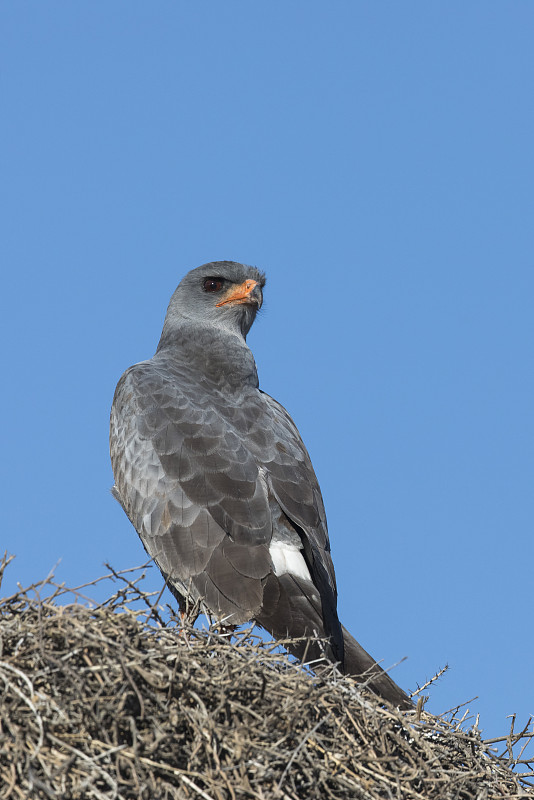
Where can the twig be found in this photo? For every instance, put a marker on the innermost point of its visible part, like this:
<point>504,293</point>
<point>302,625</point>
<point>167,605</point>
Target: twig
<point>299,747</point>
<point>432,680</point>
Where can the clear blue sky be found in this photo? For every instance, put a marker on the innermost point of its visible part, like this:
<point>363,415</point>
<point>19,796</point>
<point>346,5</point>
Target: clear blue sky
<point>377,160</point>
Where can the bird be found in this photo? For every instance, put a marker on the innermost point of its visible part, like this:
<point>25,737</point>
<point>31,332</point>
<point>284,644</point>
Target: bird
<point>215,478</point>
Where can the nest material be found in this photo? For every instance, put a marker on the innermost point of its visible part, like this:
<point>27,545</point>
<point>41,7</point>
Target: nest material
<point>111,702</point>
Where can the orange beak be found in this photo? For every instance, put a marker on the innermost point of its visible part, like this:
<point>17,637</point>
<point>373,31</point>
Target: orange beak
<point>237,295</point>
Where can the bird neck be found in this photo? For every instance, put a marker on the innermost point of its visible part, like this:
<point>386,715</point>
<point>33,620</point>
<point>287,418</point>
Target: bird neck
<point>219,356</point>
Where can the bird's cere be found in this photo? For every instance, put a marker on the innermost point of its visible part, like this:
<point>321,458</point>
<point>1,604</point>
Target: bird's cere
<point>244,293</point>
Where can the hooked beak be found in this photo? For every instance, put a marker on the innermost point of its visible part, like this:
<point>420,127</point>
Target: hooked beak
<point>249,292</point>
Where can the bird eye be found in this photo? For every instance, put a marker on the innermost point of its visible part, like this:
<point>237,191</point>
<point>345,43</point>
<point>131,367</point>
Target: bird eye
<point>213,284</point>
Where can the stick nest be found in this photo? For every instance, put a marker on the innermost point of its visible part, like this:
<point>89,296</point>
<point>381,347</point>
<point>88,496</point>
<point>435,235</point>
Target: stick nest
<point>111,701</point>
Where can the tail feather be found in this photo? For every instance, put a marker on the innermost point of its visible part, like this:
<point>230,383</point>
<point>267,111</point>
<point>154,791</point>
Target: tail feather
<point>361,665</point>
<point>292,608</point>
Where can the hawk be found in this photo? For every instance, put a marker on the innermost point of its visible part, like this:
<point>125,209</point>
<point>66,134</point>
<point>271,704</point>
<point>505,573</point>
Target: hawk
<point>216,480</point>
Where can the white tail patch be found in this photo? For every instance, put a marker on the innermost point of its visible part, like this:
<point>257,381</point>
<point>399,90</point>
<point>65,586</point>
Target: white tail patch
<point>288,558</point>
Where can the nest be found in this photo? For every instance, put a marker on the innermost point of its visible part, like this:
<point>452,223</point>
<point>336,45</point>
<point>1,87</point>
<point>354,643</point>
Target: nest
<point>116,701</point>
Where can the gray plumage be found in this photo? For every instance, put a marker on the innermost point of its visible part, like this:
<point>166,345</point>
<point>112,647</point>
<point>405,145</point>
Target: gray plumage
<point>216,480</point>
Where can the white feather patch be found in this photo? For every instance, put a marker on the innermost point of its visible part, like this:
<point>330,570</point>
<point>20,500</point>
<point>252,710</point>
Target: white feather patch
<point>288,558</point>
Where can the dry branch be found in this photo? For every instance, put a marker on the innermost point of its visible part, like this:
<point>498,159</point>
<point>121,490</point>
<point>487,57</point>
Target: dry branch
<point>111,701</point>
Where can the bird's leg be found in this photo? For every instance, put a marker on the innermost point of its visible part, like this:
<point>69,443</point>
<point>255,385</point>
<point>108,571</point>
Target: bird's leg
<point>188,613</point>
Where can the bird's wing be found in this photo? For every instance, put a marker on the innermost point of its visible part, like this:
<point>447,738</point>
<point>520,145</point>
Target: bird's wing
<point>294,484</point>
<point>292,476</point>
<point>192,491</point>
<point>210,484</point>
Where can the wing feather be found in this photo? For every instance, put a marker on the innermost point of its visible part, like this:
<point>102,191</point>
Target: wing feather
<point>208,483</point>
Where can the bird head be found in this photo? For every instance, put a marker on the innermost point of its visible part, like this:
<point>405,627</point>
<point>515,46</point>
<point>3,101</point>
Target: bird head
<point>224,294</point>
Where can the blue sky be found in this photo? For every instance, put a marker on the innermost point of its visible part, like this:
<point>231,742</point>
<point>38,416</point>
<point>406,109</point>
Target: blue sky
<point>376,159</point>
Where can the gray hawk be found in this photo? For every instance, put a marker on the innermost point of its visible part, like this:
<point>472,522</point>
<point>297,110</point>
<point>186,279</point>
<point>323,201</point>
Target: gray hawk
<point>215,478</point>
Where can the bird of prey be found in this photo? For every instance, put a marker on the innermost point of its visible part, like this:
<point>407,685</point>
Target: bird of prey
<point>215,478</point>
